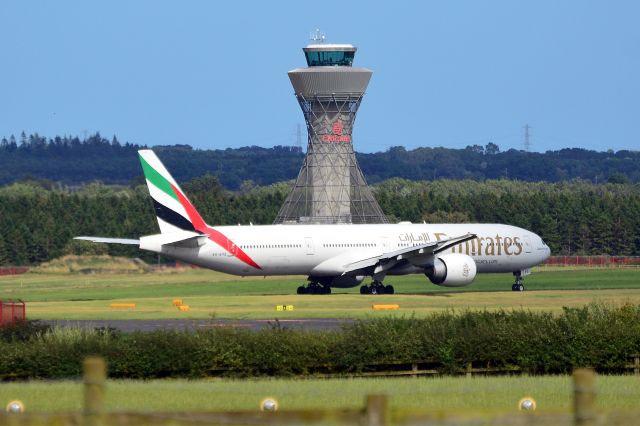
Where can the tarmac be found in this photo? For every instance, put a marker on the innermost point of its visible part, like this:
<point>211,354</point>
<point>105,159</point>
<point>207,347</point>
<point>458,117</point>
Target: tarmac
<point>128,326</point>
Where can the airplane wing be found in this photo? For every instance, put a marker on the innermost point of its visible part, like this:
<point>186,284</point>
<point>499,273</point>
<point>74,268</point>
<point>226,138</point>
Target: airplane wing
<point>407,253</point>
<point>109,240</point>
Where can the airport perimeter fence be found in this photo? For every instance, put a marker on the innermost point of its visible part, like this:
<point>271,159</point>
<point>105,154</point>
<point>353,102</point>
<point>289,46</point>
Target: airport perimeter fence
<point>13,270</point>
<point>603,261</point>
<point>376,412</point>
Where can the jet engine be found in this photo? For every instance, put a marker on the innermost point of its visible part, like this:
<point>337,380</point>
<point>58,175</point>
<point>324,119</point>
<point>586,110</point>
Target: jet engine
<point>452,270</point>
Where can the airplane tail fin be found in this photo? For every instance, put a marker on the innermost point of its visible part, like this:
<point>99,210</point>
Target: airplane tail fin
<point>173,210</point>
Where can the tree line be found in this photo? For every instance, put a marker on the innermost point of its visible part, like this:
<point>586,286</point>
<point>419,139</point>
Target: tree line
<point>39,219</point>
<point>75,161</point>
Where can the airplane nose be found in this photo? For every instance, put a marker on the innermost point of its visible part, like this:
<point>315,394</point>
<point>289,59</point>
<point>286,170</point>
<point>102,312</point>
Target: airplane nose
<point>546,251</point>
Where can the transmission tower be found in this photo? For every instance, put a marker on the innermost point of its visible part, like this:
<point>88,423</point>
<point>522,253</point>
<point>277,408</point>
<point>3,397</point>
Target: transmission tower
<point>527,137</point>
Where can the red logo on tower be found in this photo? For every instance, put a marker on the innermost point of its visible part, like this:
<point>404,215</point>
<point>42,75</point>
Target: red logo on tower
<point>337,135</point>
<point>337,128</point>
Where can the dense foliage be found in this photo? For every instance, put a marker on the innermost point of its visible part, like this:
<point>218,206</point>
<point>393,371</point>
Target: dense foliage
<point>38,223</point>
<point>572,217</point>
<point>598,336</point>
<point>73,161</point>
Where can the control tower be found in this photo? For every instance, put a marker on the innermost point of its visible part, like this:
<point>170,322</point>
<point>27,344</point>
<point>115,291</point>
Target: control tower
<point>330,187</point>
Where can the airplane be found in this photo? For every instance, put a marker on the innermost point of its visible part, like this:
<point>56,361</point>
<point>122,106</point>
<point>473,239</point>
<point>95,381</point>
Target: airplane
<point>332,256</point>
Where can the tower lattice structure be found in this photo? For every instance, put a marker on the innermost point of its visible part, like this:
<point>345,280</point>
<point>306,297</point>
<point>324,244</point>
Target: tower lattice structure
<point>330,187</point>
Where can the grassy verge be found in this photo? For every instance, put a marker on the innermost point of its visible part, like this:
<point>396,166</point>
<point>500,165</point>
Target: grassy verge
<point>447,394</point>
<point>335,306</point>
<point>208,293</point>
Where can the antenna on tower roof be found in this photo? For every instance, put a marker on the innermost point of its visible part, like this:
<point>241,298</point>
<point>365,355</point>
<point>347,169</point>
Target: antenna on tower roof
<point>317,36</point>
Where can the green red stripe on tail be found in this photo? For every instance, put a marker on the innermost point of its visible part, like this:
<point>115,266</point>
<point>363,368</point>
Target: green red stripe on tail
<point>215,236</point>
<point>165,211</point>
<point>157,179</point>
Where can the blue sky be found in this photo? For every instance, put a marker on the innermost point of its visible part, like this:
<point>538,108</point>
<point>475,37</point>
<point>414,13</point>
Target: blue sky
<point>214,74</point>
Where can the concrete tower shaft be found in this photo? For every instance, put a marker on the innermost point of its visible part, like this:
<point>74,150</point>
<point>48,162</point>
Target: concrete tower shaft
<point>330,187</point>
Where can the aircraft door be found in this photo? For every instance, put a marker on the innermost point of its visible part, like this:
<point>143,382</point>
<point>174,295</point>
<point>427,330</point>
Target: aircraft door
<point>527,244</point>
<point>384,244</point>
<point>308,245</point>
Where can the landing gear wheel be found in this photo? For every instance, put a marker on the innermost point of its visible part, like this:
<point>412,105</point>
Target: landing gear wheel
<point>518,285</point>
<point>377,287</point>
<point>314,288</point>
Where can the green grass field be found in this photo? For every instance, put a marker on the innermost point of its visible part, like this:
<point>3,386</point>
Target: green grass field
<point>76,296</point>
<point>446,394</point>
<point>211,294</point>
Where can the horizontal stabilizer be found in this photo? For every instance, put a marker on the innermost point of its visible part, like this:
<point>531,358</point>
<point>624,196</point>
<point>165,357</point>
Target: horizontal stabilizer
<point>109,240</point>
<point>184,239</point>
<point>178,238</point>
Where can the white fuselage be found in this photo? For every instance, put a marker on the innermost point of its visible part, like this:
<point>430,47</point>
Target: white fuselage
<point>322,250</point>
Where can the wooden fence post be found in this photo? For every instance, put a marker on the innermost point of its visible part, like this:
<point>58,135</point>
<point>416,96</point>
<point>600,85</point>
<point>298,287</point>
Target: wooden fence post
<point>95,373</point>
<point>377,411</point>
<point>583,396</point>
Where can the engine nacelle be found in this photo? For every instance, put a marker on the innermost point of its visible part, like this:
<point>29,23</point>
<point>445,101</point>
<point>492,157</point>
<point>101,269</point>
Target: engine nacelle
<point>452,270</point>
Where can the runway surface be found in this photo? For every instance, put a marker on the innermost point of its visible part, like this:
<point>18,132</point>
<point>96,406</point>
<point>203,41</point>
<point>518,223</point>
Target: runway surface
<point>128,326</point>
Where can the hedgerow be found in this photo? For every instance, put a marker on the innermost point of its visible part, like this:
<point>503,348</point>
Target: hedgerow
<point>598,335</point>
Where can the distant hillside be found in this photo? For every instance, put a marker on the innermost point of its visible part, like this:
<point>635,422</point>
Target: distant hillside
<point>73,161</point>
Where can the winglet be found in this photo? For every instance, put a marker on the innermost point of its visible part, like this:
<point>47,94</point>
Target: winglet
<point>454,241</point>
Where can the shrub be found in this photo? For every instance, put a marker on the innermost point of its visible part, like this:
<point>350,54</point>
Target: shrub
<point>22,330</point>
<point>598,335</point>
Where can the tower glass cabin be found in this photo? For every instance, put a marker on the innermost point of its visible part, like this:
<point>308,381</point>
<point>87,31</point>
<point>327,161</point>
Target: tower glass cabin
<point>330,187</point>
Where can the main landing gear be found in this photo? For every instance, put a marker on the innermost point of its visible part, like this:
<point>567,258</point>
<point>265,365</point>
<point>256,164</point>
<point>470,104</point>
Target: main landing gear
<point>377,287</point>
<point>519,284</point>
<point>314,288</point>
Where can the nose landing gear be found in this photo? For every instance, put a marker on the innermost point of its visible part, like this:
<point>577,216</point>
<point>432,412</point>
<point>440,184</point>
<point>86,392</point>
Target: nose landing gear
<point>519,284</point>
